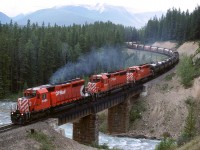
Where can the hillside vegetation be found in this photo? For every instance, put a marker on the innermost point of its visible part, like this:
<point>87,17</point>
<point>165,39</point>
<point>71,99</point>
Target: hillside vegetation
<point>192,145</point>
<point>171,108</point>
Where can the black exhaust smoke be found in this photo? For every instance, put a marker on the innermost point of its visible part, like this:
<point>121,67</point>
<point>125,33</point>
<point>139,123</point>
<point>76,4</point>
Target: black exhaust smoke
<point>104,60</point>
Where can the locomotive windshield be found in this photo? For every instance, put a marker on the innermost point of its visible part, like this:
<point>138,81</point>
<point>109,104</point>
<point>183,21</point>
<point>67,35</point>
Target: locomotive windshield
<point>95,80</point>
<point>133,70</point>
<point>30,95</point>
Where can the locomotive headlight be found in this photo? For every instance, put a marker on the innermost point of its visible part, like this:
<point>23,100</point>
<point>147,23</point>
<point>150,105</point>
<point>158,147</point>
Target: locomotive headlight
<point>22,114</point>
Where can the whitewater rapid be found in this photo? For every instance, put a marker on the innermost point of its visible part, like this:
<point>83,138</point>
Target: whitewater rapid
<point>123,143</point>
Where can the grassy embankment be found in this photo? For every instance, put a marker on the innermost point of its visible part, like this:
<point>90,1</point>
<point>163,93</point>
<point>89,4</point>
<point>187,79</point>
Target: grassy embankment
<point>43,139</point>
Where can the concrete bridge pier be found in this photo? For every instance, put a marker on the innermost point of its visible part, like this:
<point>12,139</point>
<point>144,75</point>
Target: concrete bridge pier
<point>118,117</point>
<point>86,130</point>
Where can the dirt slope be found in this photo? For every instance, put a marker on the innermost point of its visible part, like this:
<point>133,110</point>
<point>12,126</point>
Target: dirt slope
<point>165,103</point>
<point>19,139</point>
<point>188,48</point>
<point>166,44</point>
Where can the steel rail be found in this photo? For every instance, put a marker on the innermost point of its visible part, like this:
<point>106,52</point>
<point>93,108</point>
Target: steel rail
<point>8,127</point>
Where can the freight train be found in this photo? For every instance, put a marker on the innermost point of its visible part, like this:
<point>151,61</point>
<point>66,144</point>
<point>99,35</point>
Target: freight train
<point>42,101</point>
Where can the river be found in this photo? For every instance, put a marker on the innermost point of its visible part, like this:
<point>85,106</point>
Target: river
<point>123,143</point>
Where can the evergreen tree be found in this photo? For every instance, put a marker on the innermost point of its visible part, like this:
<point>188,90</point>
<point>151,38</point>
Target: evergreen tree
<point>1,82</point>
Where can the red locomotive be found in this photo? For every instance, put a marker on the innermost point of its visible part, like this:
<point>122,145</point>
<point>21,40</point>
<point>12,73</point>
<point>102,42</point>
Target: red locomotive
<point>106,81</point>
<point>43,100</point>
<point>138,73</point>
<point>38,101</point>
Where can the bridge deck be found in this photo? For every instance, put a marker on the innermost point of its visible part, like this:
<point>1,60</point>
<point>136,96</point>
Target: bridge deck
<point>102,103</point>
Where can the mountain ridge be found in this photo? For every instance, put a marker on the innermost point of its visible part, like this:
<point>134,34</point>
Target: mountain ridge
<point>4,18</point>
<point>69,15</point>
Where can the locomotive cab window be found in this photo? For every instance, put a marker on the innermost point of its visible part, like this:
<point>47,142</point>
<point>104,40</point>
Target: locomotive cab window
<point>122,73</point>
<point>95,80</point>
<point>43,96</point>
<point>133,71</point>
<point>30,95</point>
<point>108,75</point>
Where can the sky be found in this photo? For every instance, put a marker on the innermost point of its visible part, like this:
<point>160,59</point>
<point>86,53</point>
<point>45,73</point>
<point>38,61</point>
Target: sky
<point>15,7</point>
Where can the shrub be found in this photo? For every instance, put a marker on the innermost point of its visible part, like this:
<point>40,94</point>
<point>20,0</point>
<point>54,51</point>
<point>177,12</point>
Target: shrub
<point>192,145</point>
<point>43,139</point>
<point>183,139</point>
<point>103,122</point>
<point>186,71</point>
<point>166,144</point>
<point>190,101</point>
<point>104,146</point>
<point>189,131</point>
<point>136,110</point>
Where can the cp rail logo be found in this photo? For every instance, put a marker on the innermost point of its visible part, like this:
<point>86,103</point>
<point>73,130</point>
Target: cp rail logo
<point>61,92</point>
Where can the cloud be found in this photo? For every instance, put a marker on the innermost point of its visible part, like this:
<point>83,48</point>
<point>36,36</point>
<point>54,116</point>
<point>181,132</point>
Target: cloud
<point>13,7</point>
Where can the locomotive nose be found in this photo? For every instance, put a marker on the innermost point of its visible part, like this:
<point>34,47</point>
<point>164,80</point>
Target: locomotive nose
<point>23,105</point>
<point>92,87</point>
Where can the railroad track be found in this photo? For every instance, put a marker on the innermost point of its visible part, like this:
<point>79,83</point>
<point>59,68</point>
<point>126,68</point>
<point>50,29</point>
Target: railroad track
<point>8,127</point>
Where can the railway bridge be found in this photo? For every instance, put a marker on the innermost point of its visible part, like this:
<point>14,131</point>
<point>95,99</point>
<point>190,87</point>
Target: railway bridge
<point>85,119</point>
<point>84,116</point>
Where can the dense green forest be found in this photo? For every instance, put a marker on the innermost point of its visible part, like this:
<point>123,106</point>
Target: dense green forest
<point>175,25</point>
<point>30,54</point>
